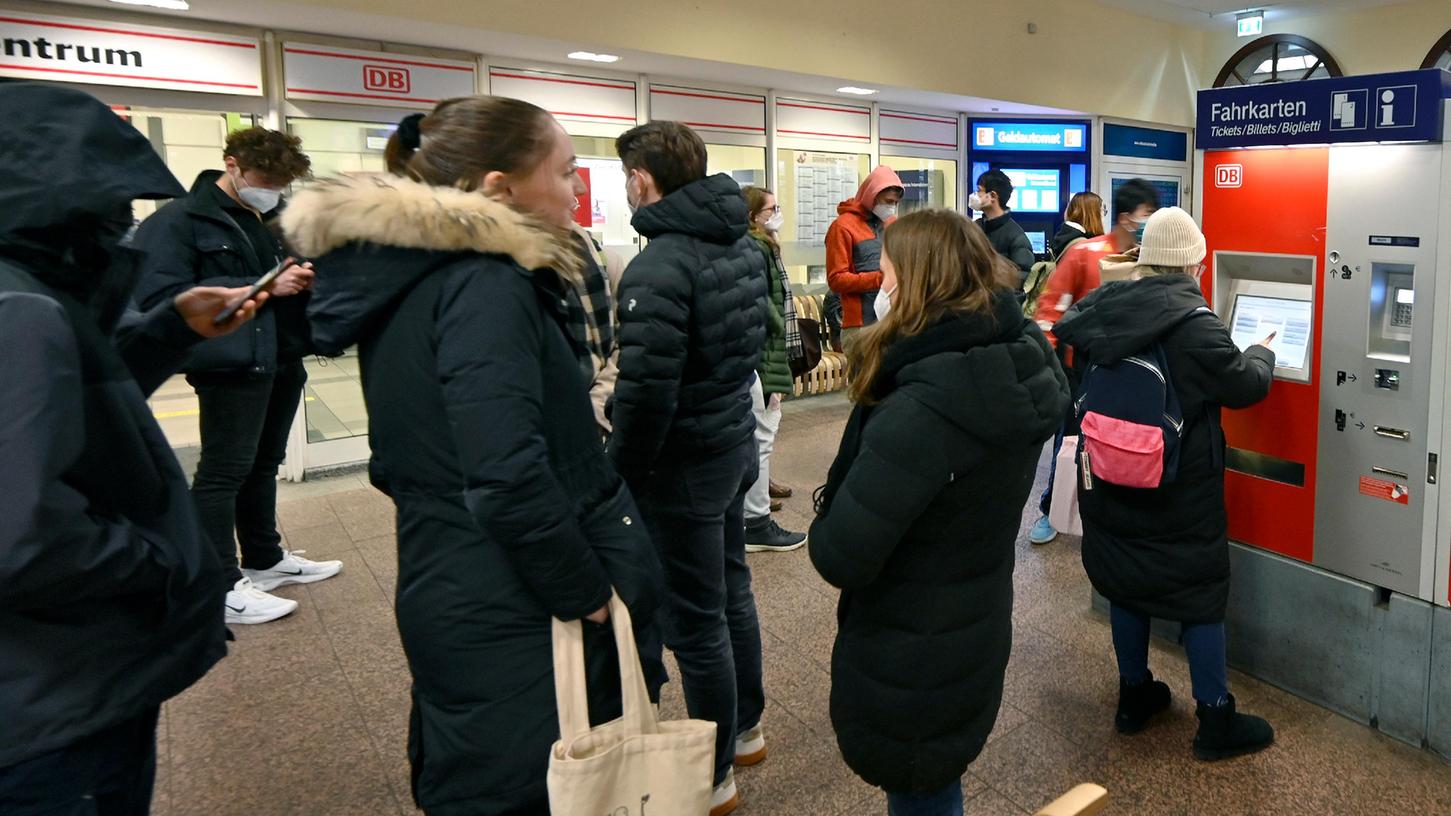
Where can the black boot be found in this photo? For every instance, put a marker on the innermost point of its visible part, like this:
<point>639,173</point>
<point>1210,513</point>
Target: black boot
<point>765,535</point>
<point>1138,704</point>
<point>1224,733</point>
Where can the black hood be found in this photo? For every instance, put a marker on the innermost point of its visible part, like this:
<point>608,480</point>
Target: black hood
<point>992,375</point>
<point>711,209</point>
<point>64,156</point>
<point>1125,317</point>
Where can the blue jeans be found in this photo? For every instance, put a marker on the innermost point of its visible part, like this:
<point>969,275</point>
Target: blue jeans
<point>1045,503</point>
<point>944,802</point>
<point>694,508</point>
<point>1203,643</point>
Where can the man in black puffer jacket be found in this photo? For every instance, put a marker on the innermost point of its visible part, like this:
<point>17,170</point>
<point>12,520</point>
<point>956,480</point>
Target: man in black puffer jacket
<point>692,309</point>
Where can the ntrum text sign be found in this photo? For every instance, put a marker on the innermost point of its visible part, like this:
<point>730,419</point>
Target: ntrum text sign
<point>70,49</point>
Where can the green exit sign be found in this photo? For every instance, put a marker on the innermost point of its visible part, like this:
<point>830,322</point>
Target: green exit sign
<point>1252,24</point>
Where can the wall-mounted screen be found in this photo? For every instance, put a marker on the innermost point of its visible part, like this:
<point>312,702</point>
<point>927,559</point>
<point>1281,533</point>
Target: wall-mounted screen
<point>1039,240</point>
<point>1255,316</point>
<point>1035,191</point>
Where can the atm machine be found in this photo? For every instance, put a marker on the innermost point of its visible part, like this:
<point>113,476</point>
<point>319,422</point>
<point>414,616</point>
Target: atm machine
<point>1326,205</point>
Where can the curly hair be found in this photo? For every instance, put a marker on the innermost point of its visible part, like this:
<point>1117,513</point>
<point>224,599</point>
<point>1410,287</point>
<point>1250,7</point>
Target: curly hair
<point>270,152</point>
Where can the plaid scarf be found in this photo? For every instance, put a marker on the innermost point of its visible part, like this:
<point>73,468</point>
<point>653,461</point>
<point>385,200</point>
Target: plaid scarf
<point>591,309</point>
<point>794,348</point>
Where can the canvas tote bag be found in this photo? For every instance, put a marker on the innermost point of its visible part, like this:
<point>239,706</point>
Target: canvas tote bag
<point>636,765</point>
<point>1063,512</point>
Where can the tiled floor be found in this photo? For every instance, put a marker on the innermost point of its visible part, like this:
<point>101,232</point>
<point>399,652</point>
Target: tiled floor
<point>309,714</point>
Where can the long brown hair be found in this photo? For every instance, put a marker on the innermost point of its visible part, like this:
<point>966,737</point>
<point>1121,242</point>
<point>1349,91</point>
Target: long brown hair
<point>944,264</point>
<point>1086,210</point>
<point>466,138</point>
<point>755,202</point>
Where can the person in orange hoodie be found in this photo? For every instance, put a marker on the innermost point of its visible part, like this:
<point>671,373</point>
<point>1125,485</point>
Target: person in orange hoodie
<point>854,248</point>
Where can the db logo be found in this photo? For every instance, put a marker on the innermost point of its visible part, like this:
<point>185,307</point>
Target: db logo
<point>386,78</point>
<point>1229,175</point>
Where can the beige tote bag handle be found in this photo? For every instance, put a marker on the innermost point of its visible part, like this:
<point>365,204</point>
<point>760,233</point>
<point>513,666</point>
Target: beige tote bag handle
<point>570,693</point>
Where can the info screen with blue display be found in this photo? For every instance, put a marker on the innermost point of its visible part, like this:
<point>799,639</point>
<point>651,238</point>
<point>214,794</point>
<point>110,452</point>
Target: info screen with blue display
<point>1035,190</point>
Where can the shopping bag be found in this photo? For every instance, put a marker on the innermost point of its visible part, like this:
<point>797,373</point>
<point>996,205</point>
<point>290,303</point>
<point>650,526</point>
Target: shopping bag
<point>1063,514</point>
<point>633,766</point>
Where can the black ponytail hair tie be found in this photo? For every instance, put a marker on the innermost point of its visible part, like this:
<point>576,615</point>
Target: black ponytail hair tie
<point>408,132</point>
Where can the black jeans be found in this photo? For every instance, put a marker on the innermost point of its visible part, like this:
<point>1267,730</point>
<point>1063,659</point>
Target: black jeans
<point>693,506</point>
<point>245,421</point>
<point>110,773</point>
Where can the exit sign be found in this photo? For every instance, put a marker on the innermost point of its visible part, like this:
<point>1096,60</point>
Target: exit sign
<point>1252,24</point>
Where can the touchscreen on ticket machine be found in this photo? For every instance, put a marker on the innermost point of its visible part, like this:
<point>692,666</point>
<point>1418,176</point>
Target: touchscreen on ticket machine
<point>1340,465</point>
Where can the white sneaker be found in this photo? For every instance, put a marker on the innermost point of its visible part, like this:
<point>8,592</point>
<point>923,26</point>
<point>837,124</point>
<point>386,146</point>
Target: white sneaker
<point>293,569</point>
<point>248,604</point>
<point>750,747</point>
<point>724,798</point>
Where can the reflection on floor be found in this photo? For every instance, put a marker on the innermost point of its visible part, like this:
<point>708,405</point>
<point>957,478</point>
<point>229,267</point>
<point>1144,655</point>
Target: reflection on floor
<point>309,714</point>
<point>332,399</point>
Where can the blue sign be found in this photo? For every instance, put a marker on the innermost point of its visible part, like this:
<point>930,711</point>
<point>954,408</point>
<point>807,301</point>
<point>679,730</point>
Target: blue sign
<point>1035,137</point>
<point>1168,190</point>
<point>1034,190</point>
<point>1399,107</point>
<point>1145,143</point>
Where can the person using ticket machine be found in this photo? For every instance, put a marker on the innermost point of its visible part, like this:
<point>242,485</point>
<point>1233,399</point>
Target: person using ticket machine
<point>1162,551</point>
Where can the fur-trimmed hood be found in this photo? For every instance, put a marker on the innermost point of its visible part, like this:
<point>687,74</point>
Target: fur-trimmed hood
<point>373,239</point>
<point>397,212</point>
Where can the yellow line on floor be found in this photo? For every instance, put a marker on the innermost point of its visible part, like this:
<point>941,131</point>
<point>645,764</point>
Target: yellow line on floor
<point>196,411</point>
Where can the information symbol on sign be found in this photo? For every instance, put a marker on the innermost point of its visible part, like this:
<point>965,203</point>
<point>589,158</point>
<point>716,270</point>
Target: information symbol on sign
<point>1229,175</point>
<point>1395,107</point>
<point>386,78</point>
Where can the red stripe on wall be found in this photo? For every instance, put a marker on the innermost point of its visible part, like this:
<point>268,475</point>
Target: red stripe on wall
<point>126,76</point>
<point>917,142</point>
<point>834,135</point>
<point>172,37</point>
<point>757,101</point>
<point>381,59</point>
<point>363,95</point>
<point>594,116</point>
<point>564,81</point>
<point>821,108</point>
<point>952,122</point>
<point>751,128</point>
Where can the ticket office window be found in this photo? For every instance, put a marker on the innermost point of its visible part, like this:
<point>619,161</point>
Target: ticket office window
<point>930,183</point>
<point>810,184</point>
<point>342,148</point>
<point>604,174</point>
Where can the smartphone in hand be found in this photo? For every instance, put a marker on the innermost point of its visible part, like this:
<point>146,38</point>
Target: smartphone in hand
<point>262,283</point>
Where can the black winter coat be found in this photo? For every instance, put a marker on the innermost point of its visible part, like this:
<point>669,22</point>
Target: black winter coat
<point>1164,552</point>
<point>1067,234</point>
<point>194,242</point>
<point>917,526</point>
<point>110,598</point>
<point>1008,238</point>
<point>692,310</point>
<point>483,434</point>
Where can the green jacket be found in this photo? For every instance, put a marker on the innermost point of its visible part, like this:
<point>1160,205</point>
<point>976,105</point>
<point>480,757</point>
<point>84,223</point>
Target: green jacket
<point>774,369</point>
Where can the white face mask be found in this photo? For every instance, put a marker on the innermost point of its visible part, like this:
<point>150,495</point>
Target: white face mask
<point>886,212</point>
<point>260,199</point>
<point>976,202</point>
<point>883,303</point>
<point>632,200</point>
<point>775,222</point>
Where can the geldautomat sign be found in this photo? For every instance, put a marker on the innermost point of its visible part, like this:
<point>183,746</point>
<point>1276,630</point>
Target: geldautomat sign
<point>1406,106</point>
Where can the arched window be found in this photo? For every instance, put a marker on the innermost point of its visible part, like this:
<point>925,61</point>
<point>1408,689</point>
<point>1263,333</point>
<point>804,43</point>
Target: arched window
<point>1440,56</point>
<point>1277,58</point>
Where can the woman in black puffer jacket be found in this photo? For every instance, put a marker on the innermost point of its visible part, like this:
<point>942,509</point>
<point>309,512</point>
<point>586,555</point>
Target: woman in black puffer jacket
<point>956,393</point>
<point>450,276</point>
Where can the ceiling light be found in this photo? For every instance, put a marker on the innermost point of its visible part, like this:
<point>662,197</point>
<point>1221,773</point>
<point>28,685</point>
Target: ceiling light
<point>174,5</point>
<point>590,56</point>
<point>852,89</point>
<point>1250,23</point>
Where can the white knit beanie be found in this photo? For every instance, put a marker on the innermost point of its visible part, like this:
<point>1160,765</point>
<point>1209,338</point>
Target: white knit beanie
<point>1171,238</point>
